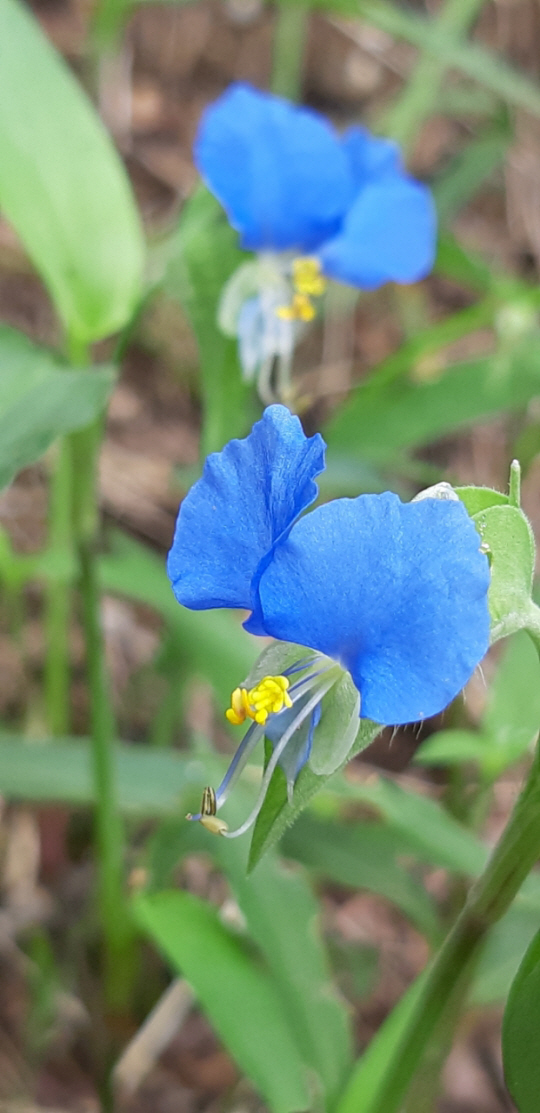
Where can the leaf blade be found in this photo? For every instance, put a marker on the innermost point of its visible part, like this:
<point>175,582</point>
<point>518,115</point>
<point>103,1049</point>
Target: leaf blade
<point>246,1012</point>
<point>41,399</point>
<point>62,185</point>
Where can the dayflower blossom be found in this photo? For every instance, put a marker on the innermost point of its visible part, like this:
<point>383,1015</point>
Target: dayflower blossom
<point>312,204</point>
<point>387,597</point>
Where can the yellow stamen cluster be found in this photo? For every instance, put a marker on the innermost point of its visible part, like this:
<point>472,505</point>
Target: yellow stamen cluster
<point>307,277</point>
<point>308,283</point>
<point>269,696</point>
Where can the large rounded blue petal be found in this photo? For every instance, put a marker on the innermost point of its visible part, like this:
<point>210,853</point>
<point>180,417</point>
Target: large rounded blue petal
<point>370,156</point>
<point>389,235</point>
<point>249,494</point>
<point>279,171</point>
<point>397,593</point>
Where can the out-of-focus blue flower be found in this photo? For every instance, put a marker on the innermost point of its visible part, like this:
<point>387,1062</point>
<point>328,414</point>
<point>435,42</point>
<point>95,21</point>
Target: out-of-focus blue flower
<point>289,182</point>
<point>292,186</point>
<point>394,593</point>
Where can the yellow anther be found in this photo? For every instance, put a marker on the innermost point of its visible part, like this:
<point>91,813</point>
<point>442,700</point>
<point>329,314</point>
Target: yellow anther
<point>307,277</point>
<point>239,708</point>
<point>308,283</point>
<point>301,309</point>
<point>268,697</point>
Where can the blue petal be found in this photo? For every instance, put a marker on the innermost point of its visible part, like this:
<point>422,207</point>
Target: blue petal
<point>397,593</point>
<point>389,235</point>
<point>249,494</point>
<point>369,155</point>
<point>279,171</point>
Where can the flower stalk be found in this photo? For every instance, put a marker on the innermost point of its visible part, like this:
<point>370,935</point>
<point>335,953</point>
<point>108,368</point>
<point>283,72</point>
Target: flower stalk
<point>109,831</point>
<point>290,37</point>
<point>489,898</point>
<point>58,596</point>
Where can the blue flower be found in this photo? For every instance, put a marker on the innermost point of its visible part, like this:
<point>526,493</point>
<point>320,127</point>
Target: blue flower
<point>394,593</point>
<point>293,187</point>
<point>289,182</point>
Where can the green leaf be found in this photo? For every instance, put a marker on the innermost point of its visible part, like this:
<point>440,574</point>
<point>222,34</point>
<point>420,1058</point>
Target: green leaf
<point>238,996</point>
<point>202,255</point>
<point>40,399</point>
<point>363,856</point>
<point>452,747</point>
<point>378,421</point>
<point>62,185</point>
<point>469,170</point>
<point>149,782</point>
<point>462,265</point>
<point>511,720</point>
<point>211,643</point>
<point>282,917</point>
<point>521,1026</point>
<point>502,954</point>
<point>277,813</point>
<point>508,535</point>
<point>480,498</point>
<point>369,1074</point>
<point>433,834</point>
<point>451,51</point>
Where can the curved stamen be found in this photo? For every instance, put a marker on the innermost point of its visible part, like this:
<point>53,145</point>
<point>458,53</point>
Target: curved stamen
<point>321,691</point>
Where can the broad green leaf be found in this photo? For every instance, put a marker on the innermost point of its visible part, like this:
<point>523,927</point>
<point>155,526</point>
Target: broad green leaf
<point>149,782</point>
<point>512,717</point>
<point>504,950</point>
<point>282,918</point>
<point>452,747</point>
<point>213,642</point>
<point>435,835</point>
<point>62,184</point>
<point>511,720</point>
<point>508,535</point>
<point>379,422</point>
<point>480,498</point>
<point>277,813</point>
<point>370,1070</point>
<point>40,398</point>
<point>521,1028</point>
<point>362,856</point>
<point>202,255</point>
<point>238,996</point>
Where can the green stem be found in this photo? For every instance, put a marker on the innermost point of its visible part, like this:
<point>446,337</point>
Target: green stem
<point>58,597</point>
<point>422,89</point>
<point>84,447</point>
<point>489,898</point>
<point>290,36</point>
<point>108,20</point>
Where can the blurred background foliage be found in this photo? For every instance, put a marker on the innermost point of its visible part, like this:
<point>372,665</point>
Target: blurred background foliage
<point>188,985</point>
